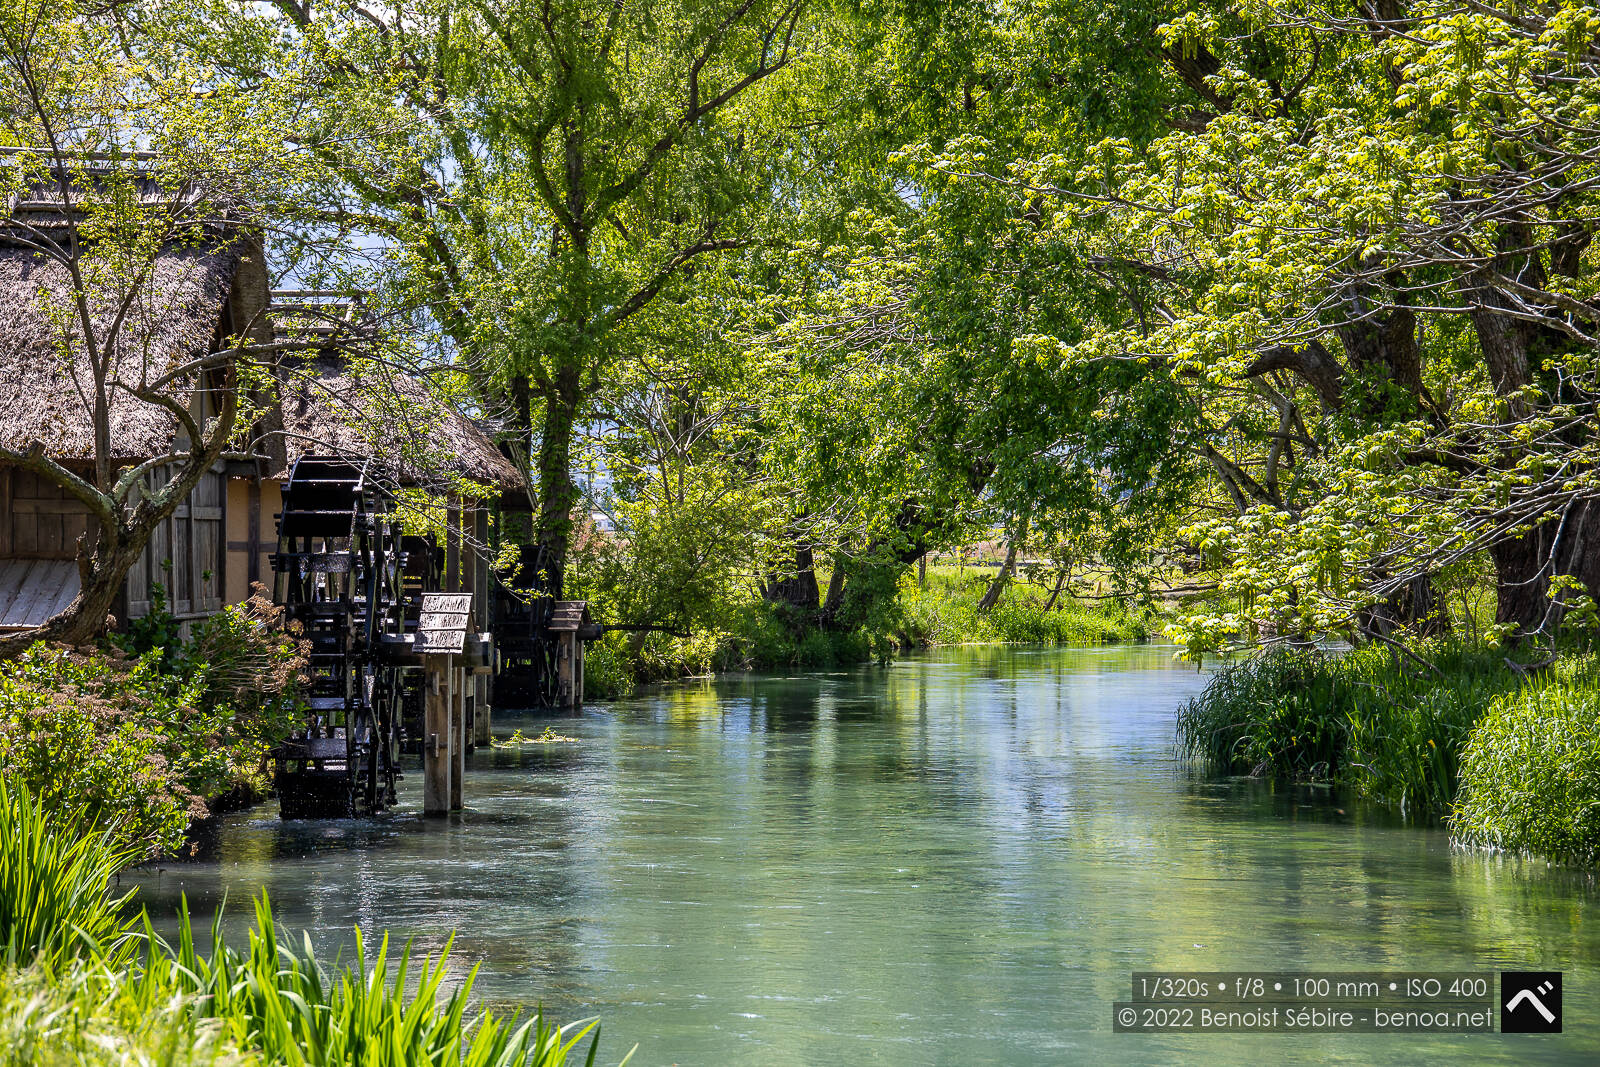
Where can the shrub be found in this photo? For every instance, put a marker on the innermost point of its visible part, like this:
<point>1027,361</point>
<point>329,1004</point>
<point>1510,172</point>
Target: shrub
<point>112,739</point>
<point>146,734</point>
<point>1530,775</point>
<point>242,657</point>
<point>123,740</point>
<point>946,612</point>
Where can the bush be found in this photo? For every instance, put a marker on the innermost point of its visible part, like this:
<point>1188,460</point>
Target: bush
<point>756,634</point>
<point>1530,775</point>
<point>145,740</point>
<point>111,738</point>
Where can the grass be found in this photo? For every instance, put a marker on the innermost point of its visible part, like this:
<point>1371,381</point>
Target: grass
<point>1371,720</point>
<point>85,982</point>
<point>54,874</point>
<point>944,611</point>
<point>93,1015</point>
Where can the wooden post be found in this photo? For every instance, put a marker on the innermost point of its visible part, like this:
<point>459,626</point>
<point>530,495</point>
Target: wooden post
<point>452,546</point>
<point>577,671</point>
<point>480,709</point>
<point>436,761</point>
<point>458,733</point>
<point>564,665</point>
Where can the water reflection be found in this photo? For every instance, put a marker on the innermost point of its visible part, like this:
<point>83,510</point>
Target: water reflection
<point>953,859</point>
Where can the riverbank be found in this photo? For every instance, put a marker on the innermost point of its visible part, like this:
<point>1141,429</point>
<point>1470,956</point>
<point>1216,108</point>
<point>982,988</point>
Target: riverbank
<point>939,609</point>
<point>85,981</point>
<point>1506,755</point>
<point>153,730</point>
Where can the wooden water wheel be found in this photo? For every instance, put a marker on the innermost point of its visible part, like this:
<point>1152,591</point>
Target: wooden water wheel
<point>339,573</point>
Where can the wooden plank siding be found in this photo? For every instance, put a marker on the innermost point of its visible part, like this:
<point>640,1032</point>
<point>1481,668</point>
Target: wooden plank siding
<point>251,523</point>
<point>185,554</point>
<point>38,519</point>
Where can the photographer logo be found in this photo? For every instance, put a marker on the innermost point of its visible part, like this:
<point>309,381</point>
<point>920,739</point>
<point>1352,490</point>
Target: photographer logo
<point>1530,1002</point>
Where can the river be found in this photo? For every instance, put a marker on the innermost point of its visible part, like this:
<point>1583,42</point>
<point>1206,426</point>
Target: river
<point>960,858</point>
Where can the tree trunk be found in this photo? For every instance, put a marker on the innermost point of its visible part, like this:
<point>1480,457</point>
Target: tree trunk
<point>1414,606</point>
<point>558,492</point>
<point>1055,594</point>
<point>1523,568</point>
<point>101,578</point>
<point>795,584</point>
<point>1002,578</point>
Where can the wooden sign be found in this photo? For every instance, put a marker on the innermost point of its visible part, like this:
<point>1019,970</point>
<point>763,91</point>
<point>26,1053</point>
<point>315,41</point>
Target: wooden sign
<point>442,623</point>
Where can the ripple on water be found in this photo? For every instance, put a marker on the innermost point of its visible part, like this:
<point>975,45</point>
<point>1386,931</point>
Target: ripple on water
<point>960,858</point>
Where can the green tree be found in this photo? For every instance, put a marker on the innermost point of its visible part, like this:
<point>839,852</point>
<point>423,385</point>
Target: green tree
<point>550,172</point>
<point>1371,270</point>
<point>912,390</point>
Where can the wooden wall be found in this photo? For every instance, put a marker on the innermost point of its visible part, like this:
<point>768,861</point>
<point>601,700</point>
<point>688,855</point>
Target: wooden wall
<point>185,555</point>
<point>38,520</point>
<point>253,506</point>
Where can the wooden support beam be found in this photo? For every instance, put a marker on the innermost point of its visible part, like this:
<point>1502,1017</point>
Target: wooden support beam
<point>564,643</point>
<point>436,755</point>
<point>452,546</point>
<point>480,709</point>
<point>458,733</point>
<point>577,671</point>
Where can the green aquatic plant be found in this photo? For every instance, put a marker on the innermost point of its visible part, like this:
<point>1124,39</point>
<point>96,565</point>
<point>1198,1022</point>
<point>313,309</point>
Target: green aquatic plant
<point>94,1014</point>
<point>80,971</point>
<point>391,1010</point>
<point>1530,774</point>
<point>1384,726</point>
<point>548,737</point>
<point>55,871</point>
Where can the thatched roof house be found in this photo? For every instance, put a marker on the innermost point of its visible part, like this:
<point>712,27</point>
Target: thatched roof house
<point>45,395</point>
<point>329,404</point>
<point>203,289</point>
<point>155,314</point>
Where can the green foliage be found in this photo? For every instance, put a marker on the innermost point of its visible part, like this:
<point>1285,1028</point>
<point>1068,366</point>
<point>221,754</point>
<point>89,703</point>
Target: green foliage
<point>95,1015</point>
<point>145,742</point>
<point>1384,726</point>
<point>119,740</point>
<point>245,662</point>
<point>1281,714</point>
<point>277,998</point>
<point>55,869</point>
<point>1530,775</point>
<point>760,635</point>
<point>946,613</point>
<point>98,978</point>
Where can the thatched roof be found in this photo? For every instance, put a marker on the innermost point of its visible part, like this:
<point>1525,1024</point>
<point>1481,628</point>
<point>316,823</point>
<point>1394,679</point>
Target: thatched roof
<point>46,389</point>
<point>364,409</point>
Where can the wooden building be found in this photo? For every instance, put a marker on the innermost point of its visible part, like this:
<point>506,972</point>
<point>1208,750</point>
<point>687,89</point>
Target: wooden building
<point>201,295</point>
<point>198,297</point>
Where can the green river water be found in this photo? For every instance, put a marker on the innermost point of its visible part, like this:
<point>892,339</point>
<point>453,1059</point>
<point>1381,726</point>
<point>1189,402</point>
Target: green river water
<point>957,859</point>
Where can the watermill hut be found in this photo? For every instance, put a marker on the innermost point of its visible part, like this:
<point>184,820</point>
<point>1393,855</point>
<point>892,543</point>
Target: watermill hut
<point>198,295</point>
